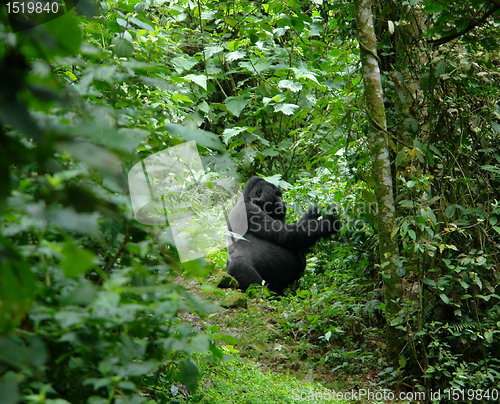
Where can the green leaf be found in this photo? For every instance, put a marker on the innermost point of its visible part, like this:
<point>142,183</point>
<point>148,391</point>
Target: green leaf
<point>425,83</point>
<point>17,287</point>
<point>226,338</point>
<point>316,29</point>
<point>495,126</point>
<point>235,105</point>
<point>293,86</point>
<point>283,22</point>
<point>141,24</point>
<point>256,67</point>
<point>298,24</point>
<point>287,109</point>
<point>436,150</point>
<point>303,72</point>
<point>440,68</point>
<point>140,368</point>
<point>431,215</point>
<point>279,32</point>
<point>212,50</point>
<point>98,383</point>
<point>66,32</point>
<point>71,76</point>
<point>492,169</point>
<point>199,79</point>
<point>189,374</point>
<point>444,298</point>
<point>429,282</point>
<point>122,48</point>
<point>124,139</point>
<point>76,260</point>
<point>92,156</point>
<point>406,203</point>
<point>184,63</point>
<point>450,211</point>
<point>9,392</point>
<point>270,152</point>
<point>127,385</point>
<point>232,56</point>
<point>201,137</point>
<point>231,132</point>
<point>121,22</point>
<point>402,154</point>
<point>181,98</point>
<point>199,343</point>
<point>477,280</point>
<point>231,21</point>
<point>247,155</point>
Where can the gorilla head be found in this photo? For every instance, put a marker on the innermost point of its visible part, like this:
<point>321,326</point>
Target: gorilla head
<point>266,196</point>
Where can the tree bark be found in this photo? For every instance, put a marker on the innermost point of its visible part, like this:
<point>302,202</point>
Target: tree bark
<point>381,172</point>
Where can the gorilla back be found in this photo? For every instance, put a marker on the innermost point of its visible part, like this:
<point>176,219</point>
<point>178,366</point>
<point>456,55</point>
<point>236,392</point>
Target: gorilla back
<point>271,251</point>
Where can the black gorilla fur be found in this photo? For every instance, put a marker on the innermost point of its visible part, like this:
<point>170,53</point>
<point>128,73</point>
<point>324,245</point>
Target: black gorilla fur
<point>272,250</point>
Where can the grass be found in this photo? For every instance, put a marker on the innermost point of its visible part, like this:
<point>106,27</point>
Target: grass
<point>246,382</point>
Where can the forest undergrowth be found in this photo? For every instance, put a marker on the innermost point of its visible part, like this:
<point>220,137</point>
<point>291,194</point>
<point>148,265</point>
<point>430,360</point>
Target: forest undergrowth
<point>275,339</point>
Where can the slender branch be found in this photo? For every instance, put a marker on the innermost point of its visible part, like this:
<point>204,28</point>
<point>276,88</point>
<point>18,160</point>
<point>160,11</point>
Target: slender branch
<point>119,252</point>
<point>468,28</point>
<point>203,48</point>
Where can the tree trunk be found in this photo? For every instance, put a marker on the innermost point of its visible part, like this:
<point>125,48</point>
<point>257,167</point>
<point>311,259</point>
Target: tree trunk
<point>381,171</point>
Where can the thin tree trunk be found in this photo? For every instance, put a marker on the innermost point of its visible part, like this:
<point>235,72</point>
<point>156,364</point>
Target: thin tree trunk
<point>381,171</point>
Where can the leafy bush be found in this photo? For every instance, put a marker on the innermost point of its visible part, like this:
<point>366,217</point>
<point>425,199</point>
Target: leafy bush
<point>87,314</point>
<point>87,343</point>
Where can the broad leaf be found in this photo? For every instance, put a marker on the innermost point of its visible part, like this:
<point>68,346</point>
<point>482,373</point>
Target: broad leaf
<point>287,109</point>
<point>122,47</point>
<point>199,79</point>
<point>235,105</point>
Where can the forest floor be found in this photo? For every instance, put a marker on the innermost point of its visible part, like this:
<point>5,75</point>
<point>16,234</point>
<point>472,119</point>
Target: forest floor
<point>264,341</point>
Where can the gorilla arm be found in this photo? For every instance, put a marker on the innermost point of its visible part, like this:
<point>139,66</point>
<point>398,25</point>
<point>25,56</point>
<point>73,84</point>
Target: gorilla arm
<point>301,235</point>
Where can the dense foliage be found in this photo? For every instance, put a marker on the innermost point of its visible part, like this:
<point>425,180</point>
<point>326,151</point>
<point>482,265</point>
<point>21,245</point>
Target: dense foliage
<point>443,110</point>
<point>88,312</point>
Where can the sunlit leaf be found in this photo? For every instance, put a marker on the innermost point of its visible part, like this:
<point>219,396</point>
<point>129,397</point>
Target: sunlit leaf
<point>287,109</point>
<point>232,56</point>
<point>183,63</point>
<point>231,132</point>
<point>199,79</point>
<point>212,50</point>
<point>290,85</point>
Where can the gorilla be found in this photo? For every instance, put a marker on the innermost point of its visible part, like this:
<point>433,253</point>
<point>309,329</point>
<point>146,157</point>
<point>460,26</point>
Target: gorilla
<point>271,250</point>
